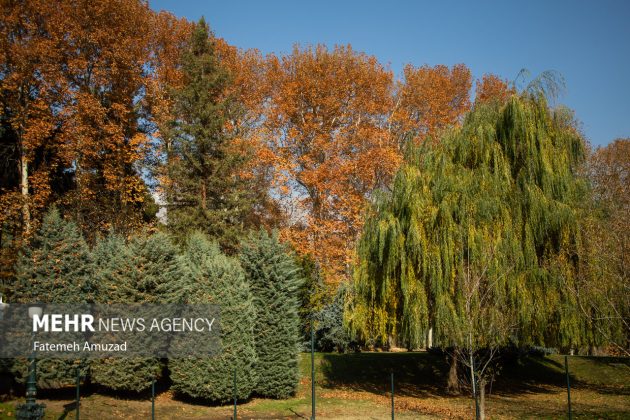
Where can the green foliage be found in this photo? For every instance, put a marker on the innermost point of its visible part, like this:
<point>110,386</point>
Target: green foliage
<point>206,192</point>
<point>113,265</point>
<point>331,334</point>
<point>147,270</point>
<point>219,279</point>
<point>498,200</point>
<point>55,267</point>
<point>313,294</point>
<point>274,279</point>
<point>159,271</point>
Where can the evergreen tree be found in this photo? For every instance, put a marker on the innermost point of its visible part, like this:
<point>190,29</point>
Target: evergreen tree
<point>219,279</point>
<point>113,265</point>
<point>147,270</point>
<point>55,267</point>
<point>274,279</point>
<point>204,190</point>
<point>331,333</point>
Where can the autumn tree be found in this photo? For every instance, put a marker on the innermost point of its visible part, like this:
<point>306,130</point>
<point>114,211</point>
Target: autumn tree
<point>327,130</point>
<point>105,54</point>
<point>73,87</point>
<point>492,88</point>
<point>604,295</point>
<point>251,86</point>
<point>204,191</point>
<point>431,99</point>
<point>29,92</point>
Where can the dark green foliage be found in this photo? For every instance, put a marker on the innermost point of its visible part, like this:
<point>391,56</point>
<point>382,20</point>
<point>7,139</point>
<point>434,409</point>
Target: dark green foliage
<point>113,265</point>
<point>274,278</point>
<point>55,267</point>
<point>206,193</point>
<point>331,334</point>
<point>219,279</point>
<point>147,270</point>
<point>126,374</point>
<point>313,295</point>
<point>159,271</point>
<point>497,200</point>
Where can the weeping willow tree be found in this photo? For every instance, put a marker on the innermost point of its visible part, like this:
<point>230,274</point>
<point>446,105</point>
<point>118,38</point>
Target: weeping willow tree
<point>487,218</point>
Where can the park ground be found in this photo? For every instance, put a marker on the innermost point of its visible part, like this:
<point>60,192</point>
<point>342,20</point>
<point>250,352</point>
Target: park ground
<point>356,386</point>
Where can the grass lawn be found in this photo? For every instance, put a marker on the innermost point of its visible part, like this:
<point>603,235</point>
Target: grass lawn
<point>356,386</point>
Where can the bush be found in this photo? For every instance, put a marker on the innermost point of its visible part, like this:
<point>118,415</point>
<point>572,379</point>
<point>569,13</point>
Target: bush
<point>218,279</point>
<point>147,270</point>
<point>274,278</point>
<point>55,267</point>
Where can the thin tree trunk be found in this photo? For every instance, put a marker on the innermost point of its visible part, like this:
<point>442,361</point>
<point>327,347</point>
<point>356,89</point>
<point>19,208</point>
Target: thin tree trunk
<point>26,211</point>
<point>482,398</point>
<point>452,386</point>
<point>203,195</point>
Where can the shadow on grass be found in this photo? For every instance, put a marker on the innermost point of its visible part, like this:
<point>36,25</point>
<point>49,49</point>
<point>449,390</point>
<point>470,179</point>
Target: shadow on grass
<point>423,374</point>
<point>415,374</point>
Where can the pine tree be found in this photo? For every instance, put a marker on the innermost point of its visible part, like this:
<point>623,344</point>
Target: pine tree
<point>219,279</point>
<point>204,190</point>
<point>113,265</point>
<point>55,267</point>
<point>147,270</point>
<point>331,333</point>
<point>274,278</point>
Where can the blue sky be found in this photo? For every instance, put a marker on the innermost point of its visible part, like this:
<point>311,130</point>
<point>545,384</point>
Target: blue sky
<point>588,42</point>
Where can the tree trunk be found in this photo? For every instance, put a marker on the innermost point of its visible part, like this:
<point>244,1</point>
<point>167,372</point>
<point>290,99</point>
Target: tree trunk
<point>26,211</point>
<point>482,398</point>
<point>203,195</point>
<point>452,386</point>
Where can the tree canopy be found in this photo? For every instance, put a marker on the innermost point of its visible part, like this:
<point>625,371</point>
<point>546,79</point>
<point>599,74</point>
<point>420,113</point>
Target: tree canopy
<point>502,197</point>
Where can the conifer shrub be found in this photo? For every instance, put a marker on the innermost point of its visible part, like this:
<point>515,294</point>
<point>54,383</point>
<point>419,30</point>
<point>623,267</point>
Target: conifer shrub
<point>274,278</point>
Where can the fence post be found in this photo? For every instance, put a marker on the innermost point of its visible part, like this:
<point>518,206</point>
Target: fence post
<point>234,393</point>
<point>312,371</point>
<point>153,398</point>
<point>78,398</point>
<point>392,380</point>
<point>566,370</point>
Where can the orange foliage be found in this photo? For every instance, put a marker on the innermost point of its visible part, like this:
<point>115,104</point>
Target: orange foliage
<point>324,128</point>
<point>491,88</point>
<point>328,142</point>
<point>432,98</point>
<point>83,79</point>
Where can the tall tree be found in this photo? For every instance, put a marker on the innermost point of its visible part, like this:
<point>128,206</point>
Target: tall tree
<point>330,145</point>
<point>605,294</point>
<point>204,188</point>
<point>274,279</point>
<point>73,113</point>
<point>494,210</point>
